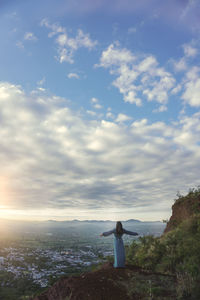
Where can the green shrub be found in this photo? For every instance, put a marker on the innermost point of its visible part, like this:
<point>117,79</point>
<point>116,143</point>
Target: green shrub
<point>177,252</point>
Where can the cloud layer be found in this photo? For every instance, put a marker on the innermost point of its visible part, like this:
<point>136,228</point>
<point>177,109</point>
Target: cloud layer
<point>52,157</point>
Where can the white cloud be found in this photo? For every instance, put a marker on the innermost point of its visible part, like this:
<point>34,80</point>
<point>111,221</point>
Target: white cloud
<point>55,28</point>
<point>136,75</point>
<point>193,73</point>
<point>188,135</point>
<point>132,98</point>
<point>97,106</point>
<point>149,63</point>
<point>20,45</point>
<point>191,94</point>
<point>160,108</point>
<point>114,56</point>
<point>122,118</point>
<point>180,65</point>
<point>30,36</point>
<point>73,75</point>
<point>95,103</point>
<point>91,113</point>
<point>41,89</point>
<point>42,81</point>
<point>189,50</point>
<point>66,45</point>
<point>177,89</point>
<point>109,115</point>
<point>54,158</point>
<point>159,88</point>
<point>94,100</point>
<point>190,82</point>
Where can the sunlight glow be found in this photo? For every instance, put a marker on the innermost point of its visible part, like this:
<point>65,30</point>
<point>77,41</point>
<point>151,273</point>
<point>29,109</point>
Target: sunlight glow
<point>4,191</point>
<point>67,215</point>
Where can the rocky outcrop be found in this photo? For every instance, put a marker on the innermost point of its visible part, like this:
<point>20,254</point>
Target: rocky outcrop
<point>109,283</point>
<point>183,208</point>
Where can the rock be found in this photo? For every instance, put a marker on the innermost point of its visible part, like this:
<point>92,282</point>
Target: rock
<point>183,208</point>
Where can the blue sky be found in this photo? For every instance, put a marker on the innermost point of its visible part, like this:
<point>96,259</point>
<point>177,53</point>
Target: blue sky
<point>99,108</point>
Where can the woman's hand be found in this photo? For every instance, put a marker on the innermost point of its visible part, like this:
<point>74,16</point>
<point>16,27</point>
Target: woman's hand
<point>101,234</point>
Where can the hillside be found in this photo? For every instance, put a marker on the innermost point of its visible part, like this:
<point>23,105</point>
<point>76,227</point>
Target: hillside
<point>113,284</point>
<point>165,267</point>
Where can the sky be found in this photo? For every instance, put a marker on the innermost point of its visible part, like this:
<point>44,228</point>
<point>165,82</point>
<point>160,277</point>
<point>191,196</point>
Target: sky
<point>99,108</point>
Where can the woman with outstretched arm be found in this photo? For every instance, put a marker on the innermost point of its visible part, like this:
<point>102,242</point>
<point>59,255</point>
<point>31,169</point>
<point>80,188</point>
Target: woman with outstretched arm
<point>119,251</point>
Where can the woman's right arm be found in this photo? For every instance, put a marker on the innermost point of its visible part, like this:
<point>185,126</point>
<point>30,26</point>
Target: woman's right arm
<point>107,233</point>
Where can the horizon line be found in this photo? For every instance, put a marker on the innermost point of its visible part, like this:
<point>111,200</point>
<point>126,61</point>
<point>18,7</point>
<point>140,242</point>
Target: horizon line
<point>77,220</point>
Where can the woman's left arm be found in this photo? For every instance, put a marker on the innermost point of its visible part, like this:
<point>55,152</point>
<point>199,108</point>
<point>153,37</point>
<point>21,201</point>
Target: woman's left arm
<point>130,232</point>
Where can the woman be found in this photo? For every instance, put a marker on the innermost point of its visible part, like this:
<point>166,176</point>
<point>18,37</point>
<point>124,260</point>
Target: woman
<point>119,251</point>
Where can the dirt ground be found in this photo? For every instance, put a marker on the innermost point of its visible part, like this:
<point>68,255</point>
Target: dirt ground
<point>109,283</point>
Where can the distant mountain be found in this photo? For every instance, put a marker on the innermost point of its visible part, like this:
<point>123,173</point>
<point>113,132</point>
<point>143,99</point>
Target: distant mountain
<point>96,221</point>
<point>111,221</point>
<point>74,221</point>
<point>132,220</point>
<point>105,221</point>
<point>101,221</point>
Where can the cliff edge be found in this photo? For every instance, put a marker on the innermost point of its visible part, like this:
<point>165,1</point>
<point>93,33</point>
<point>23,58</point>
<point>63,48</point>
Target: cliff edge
<point>108,283</point>
<point>184,208</point>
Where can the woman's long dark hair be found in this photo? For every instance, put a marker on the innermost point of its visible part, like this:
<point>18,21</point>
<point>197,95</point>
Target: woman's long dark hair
<point>119,228</point>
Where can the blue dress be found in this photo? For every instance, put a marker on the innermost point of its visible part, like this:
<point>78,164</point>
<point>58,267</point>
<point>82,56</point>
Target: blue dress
<point>119,251</point>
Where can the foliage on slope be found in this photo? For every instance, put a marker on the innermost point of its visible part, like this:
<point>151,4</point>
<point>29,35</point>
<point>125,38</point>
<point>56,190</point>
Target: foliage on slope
<point>176,252</point>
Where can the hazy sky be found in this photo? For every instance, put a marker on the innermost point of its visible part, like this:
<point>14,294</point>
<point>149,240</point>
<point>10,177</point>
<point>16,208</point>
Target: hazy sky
<point>99,107</point>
